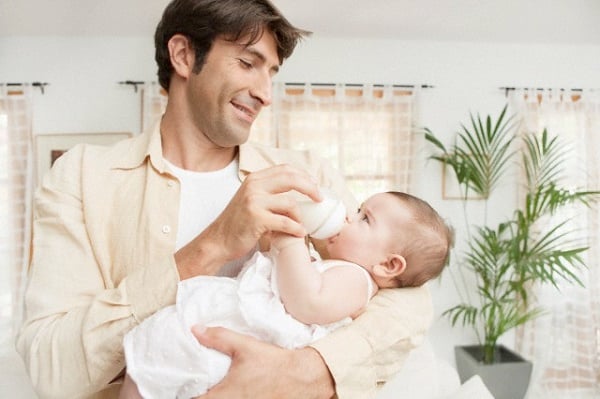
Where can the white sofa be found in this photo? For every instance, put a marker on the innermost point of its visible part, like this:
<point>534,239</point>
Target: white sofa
<point>425,376</point>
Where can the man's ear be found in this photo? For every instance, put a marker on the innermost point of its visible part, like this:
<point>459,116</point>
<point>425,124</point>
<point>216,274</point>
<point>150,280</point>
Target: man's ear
<point>393,266</point>
<point>182,55</point>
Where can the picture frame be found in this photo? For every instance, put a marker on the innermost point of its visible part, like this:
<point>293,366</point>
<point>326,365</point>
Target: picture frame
<point>49,147</point>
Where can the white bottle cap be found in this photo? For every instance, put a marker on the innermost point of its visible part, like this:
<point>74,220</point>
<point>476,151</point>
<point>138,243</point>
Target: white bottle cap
<point>323,219</point>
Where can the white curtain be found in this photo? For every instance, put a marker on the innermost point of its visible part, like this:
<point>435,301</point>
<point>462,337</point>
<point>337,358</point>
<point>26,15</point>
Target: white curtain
<point>15,204</point>
<point>365,131</point>
<point>154,101</point>
<point>564,344</point>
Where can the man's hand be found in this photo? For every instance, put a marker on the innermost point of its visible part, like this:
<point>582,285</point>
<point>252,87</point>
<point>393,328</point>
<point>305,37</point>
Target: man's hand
<point>263,371</point>
<point>259,206</point>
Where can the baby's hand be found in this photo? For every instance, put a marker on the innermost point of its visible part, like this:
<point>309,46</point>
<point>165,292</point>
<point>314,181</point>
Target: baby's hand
<point>282,240</point>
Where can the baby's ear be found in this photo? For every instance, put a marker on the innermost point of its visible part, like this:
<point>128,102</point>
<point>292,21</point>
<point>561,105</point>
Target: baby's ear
<point>392,267</point>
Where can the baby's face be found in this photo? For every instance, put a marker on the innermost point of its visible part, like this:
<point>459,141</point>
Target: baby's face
<point>366,237</point>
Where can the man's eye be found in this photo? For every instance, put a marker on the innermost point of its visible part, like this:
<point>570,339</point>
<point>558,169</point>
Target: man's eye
<point>245,64</point>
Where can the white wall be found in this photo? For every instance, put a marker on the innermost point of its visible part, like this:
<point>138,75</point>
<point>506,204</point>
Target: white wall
<point>84,96</point>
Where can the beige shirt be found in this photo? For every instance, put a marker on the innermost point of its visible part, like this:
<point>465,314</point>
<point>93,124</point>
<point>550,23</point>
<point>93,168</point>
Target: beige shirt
<point>105,224</point>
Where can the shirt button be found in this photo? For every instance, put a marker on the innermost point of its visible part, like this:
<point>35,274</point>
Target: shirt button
<point>166,229</point>
<point>170,183</point>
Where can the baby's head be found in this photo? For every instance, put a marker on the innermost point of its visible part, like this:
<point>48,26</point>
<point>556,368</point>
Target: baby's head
<point>425,241</point>
<point>400,239</point>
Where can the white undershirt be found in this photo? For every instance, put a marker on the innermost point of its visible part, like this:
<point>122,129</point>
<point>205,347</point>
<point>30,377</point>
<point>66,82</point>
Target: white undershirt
<point>203,196</point>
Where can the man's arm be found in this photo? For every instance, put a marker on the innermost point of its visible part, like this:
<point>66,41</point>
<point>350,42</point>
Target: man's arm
<point>89,283</point>
<point>76,315</point>
<point>350,362</point>
<point>259,206</point>
<point>260,370</point>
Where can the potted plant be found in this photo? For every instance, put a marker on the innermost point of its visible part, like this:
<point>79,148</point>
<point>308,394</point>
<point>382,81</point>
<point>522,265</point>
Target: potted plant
<point>509,257</point>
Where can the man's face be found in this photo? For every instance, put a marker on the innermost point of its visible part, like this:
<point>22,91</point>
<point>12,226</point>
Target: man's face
<point>231,88</point>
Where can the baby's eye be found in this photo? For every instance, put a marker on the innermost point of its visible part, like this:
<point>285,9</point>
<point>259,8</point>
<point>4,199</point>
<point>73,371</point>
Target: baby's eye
<point>364,216</point>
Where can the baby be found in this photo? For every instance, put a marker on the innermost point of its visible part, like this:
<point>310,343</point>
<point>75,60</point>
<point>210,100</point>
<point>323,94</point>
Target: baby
<point>286,297</point>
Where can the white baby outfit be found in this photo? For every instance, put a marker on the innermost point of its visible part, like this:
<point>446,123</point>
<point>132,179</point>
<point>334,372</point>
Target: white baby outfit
<point>165,359</point>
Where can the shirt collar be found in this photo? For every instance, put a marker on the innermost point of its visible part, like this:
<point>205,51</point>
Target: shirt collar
<point>252,158</point>
<point>148,145</point>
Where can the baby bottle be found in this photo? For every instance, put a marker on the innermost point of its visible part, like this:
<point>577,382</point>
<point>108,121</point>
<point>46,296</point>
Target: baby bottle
<point>323,219</point>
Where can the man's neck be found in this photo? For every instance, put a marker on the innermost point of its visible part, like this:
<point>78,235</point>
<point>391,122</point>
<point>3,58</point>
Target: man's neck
<point>189,149</point>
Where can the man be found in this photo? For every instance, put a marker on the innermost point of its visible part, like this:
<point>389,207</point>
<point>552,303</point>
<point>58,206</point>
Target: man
<point>117,228</point>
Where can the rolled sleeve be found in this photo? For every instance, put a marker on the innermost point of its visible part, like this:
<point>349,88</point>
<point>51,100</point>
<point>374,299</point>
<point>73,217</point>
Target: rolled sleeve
<point>162,277</point>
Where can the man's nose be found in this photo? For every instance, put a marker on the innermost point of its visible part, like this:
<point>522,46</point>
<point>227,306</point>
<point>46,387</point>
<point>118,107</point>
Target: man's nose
<point>263,90</point>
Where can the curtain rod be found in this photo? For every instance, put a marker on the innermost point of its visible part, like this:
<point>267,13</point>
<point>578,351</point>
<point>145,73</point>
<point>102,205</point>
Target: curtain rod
<point>400,86</point>
<point>134,83</point>
<point>41,85</point>
<point>507,89</point>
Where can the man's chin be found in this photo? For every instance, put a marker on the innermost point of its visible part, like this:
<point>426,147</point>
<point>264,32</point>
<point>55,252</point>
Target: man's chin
<point>232,139</point>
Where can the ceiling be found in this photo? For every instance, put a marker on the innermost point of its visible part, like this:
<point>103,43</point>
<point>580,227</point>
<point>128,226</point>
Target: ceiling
<point>512,21</point>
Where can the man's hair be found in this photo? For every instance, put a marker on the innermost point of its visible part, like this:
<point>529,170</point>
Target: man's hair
<point>426,242</point>
<point>202,21</point>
